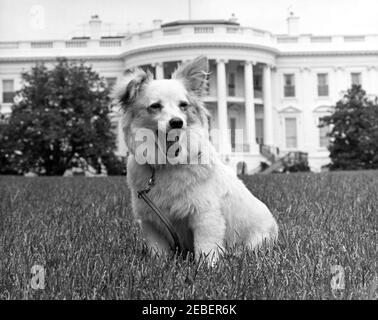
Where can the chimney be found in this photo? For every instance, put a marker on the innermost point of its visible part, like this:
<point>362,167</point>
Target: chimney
<point>95,27</point>
<point>157,23</point>
<point>292,24</point>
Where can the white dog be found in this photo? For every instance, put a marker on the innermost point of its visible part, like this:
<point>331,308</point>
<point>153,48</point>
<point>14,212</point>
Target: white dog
<point>209,207</point>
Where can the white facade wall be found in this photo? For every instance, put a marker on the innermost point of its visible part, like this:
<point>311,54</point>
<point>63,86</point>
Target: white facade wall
<point>271,57</point>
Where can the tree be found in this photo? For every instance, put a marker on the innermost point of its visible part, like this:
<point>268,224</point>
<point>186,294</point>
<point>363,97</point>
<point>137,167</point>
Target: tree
<point>354,134</point>
<point>61,115</point>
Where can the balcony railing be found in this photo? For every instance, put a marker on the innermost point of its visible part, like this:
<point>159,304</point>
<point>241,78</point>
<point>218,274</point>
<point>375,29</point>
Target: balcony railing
<point>110,43</point>
<point>354,38</point>
<point>171,31</point>
<point>287,39</point>
<point>41,44</point>
<point>76,44</point>
<point>203,29</point>
<point>321,39</point>
<point>9,45</point>
<point>233,29</point>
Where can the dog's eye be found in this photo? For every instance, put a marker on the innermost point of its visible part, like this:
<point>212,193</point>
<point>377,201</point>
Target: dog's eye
<point>156,106</point>
<point>183,105</point>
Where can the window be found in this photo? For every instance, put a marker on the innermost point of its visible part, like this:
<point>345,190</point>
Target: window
<point>232,132</point>
<point>169,67</point>
<point>231,85</point>
<point>150,68</point>
<point>291,132</point>
<point>8,91</point>
<point>257,81</point>
<point>322,84</point>
<point>111,81</point>
<point>289,85</point>
<point>259,122</point>
<point>356,78</point>
<point>323,135</point>
<point>257,85</point>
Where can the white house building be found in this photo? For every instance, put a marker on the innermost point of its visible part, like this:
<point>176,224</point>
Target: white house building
<point>274,87</point>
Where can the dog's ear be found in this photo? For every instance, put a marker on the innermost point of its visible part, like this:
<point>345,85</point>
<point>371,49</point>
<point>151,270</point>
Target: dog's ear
<point>194,74</point>
<point>130,88</point>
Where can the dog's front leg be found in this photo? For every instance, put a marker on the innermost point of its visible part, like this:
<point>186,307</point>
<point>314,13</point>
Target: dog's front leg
<point>156,242</point>
<point>208,234</point>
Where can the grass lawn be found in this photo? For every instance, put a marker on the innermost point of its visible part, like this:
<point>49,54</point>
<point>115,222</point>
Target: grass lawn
<point>80,230</point>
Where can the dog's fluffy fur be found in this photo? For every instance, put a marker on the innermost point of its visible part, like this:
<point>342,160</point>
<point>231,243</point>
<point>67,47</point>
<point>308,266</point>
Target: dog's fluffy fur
<point>208,205</point>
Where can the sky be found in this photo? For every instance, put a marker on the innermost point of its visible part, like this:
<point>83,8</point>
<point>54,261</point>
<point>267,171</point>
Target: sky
<point>56,19</point>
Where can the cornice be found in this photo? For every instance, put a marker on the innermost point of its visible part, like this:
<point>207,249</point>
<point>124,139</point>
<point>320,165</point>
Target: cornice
<point>53,58</point>
<point>329,53</point>
<point>225,45</point>
<point>154,48</point>
<point>234,45</point>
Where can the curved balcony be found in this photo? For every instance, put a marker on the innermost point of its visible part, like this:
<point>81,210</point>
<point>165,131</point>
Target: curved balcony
<point>200,34</point>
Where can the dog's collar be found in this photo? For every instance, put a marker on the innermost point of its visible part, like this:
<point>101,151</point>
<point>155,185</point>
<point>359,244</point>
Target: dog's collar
<point>143,195</point>
<point>151,181</point>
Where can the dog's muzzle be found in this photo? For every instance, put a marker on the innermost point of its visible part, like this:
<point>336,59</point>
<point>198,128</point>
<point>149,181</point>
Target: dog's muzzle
<point>176,123</point>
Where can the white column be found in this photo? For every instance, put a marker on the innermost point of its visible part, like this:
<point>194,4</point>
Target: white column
<point>159,70</point>
<point>268,108</point>
<point>250,123</point>
<point>223,137</point>
<point>306,133</point>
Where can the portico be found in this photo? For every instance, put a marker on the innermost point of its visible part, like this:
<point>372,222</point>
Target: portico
<point>247,101</point>
<point>231,88</point>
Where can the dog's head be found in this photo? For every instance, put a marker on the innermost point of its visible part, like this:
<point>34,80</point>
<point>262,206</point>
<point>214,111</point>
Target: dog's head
<point>167,104</point>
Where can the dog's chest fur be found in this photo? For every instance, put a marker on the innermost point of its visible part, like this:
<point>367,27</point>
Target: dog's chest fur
<point>180,192</point>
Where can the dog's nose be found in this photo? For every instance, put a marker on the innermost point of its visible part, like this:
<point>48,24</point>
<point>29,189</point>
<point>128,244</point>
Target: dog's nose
<point>176,123</point>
